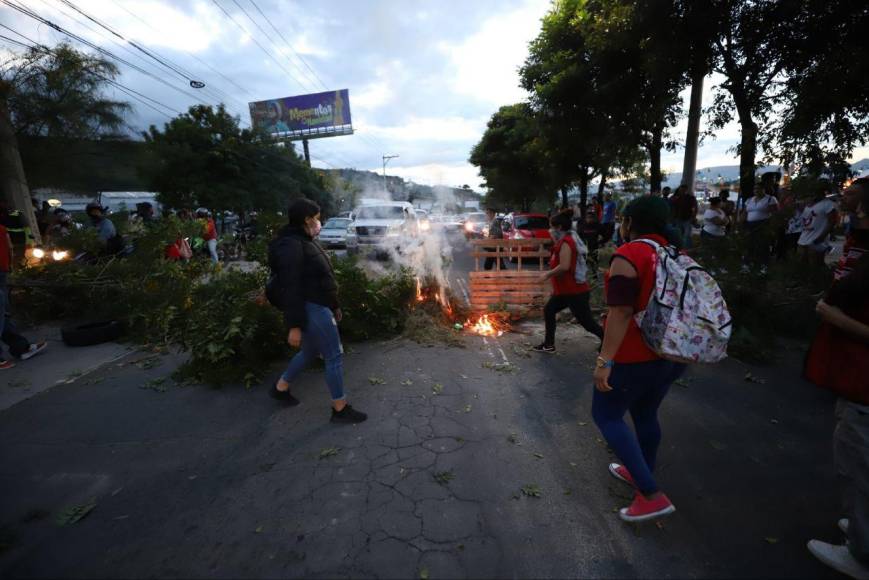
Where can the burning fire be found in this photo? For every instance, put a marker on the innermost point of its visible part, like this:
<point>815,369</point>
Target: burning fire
<point>435,293</point>
<point>486,326</point>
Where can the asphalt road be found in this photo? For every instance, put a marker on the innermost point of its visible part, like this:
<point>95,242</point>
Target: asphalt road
<point>196,482</point>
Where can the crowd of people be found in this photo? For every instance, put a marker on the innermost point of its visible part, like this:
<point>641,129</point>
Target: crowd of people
<point>629,377</point>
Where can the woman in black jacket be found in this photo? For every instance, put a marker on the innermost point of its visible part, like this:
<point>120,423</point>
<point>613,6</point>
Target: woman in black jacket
<point>309,300</point>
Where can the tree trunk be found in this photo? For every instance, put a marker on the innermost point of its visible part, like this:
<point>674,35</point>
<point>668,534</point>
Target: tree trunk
<point>689,168</point>
<point>600,187</point>
<point>12,177</point>
<point>583,191</point>
<point>654,149</point>
<point>747,152</point>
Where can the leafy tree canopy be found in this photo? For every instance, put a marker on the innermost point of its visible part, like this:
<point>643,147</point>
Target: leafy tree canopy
<point>58,93</point>
<point>202,158</point>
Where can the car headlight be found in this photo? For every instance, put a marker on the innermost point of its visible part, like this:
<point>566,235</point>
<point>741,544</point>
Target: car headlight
<point>469,226</point>
<point>38,253</point>
<point>424,226</point>
<point>351,231</point>
<point>59,255</point>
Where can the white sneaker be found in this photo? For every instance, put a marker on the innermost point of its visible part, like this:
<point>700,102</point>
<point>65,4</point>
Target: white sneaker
<point>838,558</point>
<point>34,350</point>
<point>843,525</point>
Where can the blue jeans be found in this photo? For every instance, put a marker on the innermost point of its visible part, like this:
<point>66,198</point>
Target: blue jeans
<point>320,336</point>
<point>639,388</point>
<point>9,334</point>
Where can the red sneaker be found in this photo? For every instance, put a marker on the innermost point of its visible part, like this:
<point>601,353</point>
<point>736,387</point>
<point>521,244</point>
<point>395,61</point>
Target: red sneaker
<point>621,473</point>
<point>6,364</point>
<point>647,509</point>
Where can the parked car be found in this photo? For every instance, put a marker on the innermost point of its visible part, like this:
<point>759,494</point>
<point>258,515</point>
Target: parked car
<point>385,222</point>
<point>524,226</point>
<point>476,225</point>
<point>338,233</point>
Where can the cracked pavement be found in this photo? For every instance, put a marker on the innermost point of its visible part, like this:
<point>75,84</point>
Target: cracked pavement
<point>196,482</point>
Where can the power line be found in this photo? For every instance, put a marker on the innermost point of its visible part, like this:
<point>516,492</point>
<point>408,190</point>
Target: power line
<point>289,45</point>
<point>190,54</point>
<point>257,42</point>
<point>275,44</point>
<point>96,47</point>
<point>142,98</point>
<point>211,93</point>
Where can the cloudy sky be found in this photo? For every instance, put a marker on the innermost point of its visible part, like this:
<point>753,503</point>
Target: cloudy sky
<point>424,75</point>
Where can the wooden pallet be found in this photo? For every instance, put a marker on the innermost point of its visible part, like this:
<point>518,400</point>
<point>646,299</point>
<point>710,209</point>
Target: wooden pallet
<point>518,290</point>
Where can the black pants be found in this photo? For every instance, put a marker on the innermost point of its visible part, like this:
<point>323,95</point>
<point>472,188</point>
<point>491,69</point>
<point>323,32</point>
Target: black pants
<point>578,304</point>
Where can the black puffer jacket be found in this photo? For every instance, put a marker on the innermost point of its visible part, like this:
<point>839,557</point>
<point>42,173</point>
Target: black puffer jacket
<point>304,274</point>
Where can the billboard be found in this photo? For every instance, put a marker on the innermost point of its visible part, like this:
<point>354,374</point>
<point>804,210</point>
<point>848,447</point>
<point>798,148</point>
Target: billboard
<point>320,114</point>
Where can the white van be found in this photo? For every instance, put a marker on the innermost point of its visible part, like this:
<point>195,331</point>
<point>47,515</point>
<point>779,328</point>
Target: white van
<point>385,221</point>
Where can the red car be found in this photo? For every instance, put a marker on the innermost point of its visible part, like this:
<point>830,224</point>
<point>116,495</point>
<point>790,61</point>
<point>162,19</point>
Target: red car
<point>523,226</point>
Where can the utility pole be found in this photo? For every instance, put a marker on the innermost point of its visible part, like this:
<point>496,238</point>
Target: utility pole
<point>386,159</point>
<point>307,152</point>
<point>689,168</point>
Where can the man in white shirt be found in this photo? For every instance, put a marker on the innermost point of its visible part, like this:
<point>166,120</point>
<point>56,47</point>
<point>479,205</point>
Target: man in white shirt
<point>756,216</point>
<point>819,217</point>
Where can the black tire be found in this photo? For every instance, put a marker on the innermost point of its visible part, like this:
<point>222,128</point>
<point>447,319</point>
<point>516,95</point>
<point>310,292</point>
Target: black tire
<point>92,333</point>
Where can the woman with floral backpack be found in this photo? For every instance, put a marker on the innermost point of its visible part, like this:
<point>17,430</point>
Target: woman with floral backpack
<point>629,376</point>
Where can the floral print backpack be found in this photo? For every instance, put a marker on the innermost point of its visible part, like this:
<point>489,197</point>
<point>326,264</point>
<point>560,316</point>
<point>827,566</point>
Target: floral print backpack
<point>686,319</point>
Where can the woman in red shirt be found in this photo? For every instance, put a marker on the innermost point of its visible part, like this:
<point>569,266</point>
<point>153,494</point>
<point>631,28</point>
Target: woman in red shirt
<point>566,291</point>
<point>629,376</point>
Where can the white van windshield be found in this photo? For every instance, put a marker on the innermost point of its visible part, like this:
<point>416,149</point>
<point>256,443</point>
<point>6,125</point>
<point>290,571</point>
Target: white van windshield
<point>380,212</point>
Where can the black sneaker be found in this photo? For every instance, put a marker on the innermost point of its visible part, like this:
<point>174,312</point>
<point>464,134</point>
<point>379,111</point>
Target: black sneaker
<point>348,415</point>
<point>284,396</point>
<point>544,348</point>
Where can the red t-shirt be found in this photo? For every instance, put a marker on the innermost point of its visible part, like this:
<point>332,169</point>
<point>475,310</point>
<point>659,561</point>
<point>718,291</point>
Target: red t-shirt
<point>210,230</point>
<point>565,283</point>
<point>4,249</point>
<point>856,246</point>
<point>643,258</point>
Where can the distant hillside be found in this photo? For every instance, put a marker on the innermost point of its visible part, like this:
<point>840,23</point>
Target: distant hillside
<point>353,184</point>
<point>731,173</point>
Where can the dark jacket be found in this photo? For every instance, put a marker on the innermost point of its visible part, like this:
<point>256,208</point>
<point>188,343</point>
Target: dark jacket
<point>304,274</point>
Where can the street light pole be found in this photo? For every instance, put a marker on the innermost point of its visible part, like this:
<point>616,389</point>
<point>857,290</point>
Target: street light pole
<point>386,159</point>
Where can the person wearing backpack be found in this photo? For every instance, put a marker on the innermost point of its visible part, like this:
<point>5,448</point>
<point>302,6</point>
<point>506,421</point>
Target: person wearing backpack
<point>629,376</point>
<point>838,360</point>
<point>303,286</point>
<point>568,272</point>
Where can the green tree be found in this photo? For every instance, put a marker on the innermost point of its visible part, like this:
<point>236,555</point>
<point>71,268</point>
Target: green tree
<point>752,50</point>
<point>203,158</point>
<point>59,93</point>
<point>825,113</point>
<point>510,159</point>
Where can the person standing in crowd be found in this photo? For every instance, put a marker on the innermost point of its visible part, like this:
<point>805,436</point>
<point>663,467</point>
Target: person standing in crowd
<point>628,375</point>
<point>756,216</point>
<point>729,209</point>
<point>590,233</point>
<point>210,234</point>
<point>819,217</point>
<point>104,227</point>
<point>684,212</point>
<point>714,224</point>
<point>309,300</point>
<point>838,360</point>
<point>570,289</point>
<point>496,232</point>
<point>608,222</point>
<point>19,346</point>
<point>793,229</point>
<point>665,193</point>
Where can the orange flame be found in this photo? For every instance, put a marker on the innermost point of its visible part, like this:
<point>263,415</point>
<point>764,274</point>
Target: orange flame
<point>419,295</point>
<point>485,326</point>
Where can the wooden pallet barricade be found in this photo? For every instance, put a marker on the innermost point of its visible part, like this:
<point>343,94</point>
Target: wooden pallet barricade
<point>518,290</point>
